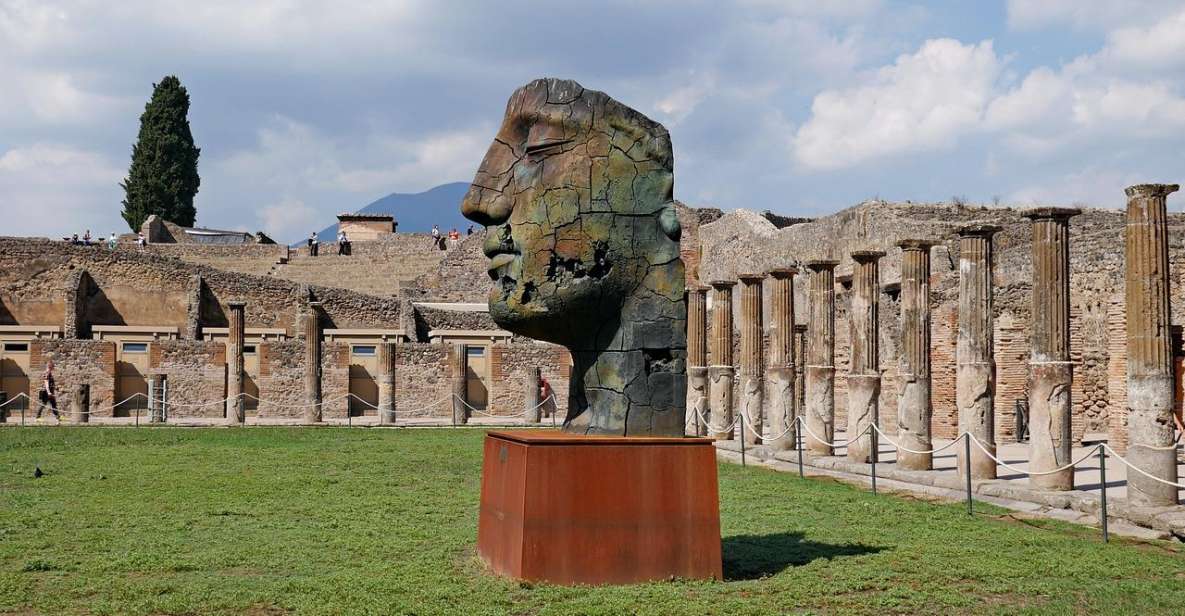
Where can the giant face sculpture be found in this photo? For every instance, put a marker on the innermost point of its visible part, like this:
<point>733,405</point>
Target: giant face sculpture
<point>575,193</point>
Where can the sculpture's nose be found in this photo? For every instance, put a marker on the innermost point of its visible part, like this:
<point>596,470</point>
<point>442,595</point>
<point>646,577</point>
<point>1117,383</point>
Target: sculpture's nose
<point>489,200</point>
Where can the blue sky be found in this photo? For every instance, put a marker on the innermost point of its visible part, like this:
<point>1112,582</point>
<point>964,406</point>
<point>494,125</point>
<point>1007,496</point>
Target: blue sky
<point>306,109</point>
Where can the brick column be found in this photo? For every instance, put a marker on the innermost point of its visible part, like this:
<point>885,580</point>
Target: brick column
<point>386,381</point>
<point>913,370</point>
<point>864,373</point>
<point>697,357</point>
<point>752,358</point>
<point>310,331</point>
<point>720,372</point>
<point>820,358</point>
<point>1051,373</point>
<point>975,364</point>
<point>1149,348</point>
<point>458,377</point>
<point>799,367</point>
<point>531,400</point>
<point>783,404</point>
<point>234,364</point>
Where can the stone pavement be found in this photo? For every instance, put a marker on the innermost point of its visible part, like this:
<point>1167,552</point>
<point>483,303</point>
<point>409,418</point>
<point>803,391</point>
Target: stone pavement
<point>1011,490</point>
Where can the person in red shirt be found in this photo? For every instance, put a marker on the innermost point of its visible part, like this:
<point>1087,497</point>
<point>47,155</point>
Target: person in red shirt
<point>546,397</point>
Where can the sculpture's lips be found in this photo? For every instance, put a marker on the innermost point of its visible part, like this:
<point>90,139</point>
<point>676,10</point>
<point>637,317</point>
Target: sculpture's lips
<point>499,261</point>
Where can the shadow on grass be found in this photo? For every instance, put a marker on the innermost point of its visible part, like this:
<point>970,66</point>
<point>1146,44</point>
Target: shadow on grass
<point>749,557</point>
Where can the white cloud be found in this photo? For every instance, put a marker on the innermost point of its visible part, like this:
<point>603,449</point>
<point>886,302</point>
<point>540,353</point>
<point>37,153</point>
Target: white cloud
<point>289,218</point>
<point>54,190</point>
<point>1086,14</point>
<point>1158,46</point>
<point>925,100</point>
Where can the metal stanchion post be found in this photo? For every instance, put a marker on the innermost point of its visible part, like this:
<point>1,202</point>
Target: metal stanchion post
<point>872,439</point>
<point>136,410</point>
<point>1103,492</point>
<point>741,419</point>
<point>967,469</point>
<point>798,438</point>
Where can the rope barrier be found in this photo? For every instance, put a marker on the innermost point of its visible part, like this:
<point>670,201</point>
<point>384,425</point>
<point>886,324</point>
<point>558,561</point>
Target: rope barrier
<point>1014,469</point>
<point>808,430</point>
<point>1141,471</point>
<point>14,399</point>
<point>906,449</point>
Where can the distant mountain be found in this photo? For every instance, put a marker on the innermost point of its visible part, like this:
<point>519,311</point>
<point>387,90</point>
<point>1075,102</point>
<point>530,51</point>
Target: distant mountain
<point>416,213</point>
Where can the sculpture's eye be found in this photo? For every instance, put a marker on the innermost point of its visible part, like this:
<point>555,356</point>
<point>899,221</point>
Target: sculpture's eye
<point>545,149</point>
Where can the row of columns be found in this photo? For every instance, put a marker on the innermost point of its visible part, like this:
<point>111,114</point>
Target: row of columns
<point>1150,372</point>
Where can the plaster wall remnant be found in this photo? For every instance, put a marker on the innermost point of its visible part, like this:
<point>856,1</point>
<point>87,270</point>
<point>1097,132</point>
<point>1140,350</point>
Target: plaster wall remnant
<point>310,331</point>
<point>235,414</point>
<point>820,359</point>
<point>781,373</point>
<point>386,382</point>
<point>1150,375</point>
<point>975,357</point>
<point>721,371</point>
<point>1051,371</point>
<point>913,373</point>
<point>458,378</point>
<point>752,358</point>
<point>697,358</point>
<point>864,377</point>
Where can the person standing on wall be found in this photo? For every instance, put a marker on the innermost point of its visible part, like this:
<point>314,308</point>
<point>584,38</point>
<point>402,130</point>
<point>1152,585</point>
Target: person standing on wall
<point>343,243</point>
<point>47,395</point>
<point>313,244</point>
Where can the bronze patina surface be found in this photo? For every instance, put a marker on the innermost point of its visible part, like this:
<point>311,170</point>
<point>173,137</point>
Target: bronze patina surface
<point>583,241</point>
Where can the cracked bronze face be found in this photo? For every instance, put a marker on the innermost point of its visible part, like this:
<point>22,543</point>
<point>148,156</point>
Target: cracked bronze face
<point>583,241</point>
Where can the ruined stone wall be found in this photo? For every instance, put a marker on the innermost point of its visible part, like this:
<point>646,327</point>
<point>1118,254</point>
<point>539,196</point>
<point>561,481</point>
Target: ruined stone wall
<point>381,267</point>
<point>510,364</point>
<point>428,319</point>
<point>196,373</point>
<point>460,276</point>
<point>422,380</point>
<point>133,288</point>
<point>255,259</point>
<point>76,362</point>
<point>281,378</point>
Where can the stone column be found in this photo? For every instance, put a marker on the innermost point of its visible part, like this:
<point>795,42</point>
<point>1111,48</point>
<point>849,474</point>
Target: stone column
<point>697,357</point>
<point>310,330</point>
<point>386,379</point>
<point>799,366</point>
<point>721,372</point>
<point>820,358</point>
<point>531,396</point>
<point>458,376</point>
<point>975,364</point>
<point>752,358</point>
<point>783,404</point>
<point>155,412</point>
<point>234,364</point>
<point>913,370</point>
<point>79,404</point>
<point>1049,365</point>
<point>864,373</point>
<point>1149,348</point>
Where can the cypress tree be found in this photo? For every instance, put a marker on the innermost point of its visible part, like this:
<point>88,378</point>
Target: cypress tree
<point>163,177</point>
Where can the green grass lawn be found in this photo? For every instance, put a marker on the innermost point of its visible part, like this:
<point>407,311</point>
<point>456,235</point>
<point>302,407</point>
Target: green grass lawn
<point>340,521</point>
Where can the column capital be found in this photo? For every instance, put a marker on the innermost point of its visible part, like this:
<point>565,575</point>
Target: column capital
<point>782,272</point>
<point>236,303</point>
<point>1151,190</point>
<point>819,265</point>
<point>721,285</point>
<point>751,278</point>
<point>916,244</point>
<point>800,328</point>
<point>979,230</point>
<point>865,256</point>
<point>1051,213</point>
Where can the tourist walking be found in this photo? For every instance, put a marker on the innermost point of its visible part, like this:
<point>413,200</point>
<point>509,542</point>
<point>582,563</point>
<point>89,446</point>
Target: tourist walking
<point>343,243</point>
<point>86,238</point>
<point>140,241</point>
<point>112,242</point>
<point>454,238</point>
<point>313,244</point>
<point>48,396</point>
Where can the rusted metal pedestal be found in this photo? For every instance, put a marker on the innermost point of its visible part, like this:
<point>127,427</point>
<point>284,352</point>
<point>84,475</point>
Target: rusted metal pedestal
<point>570,509</point>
